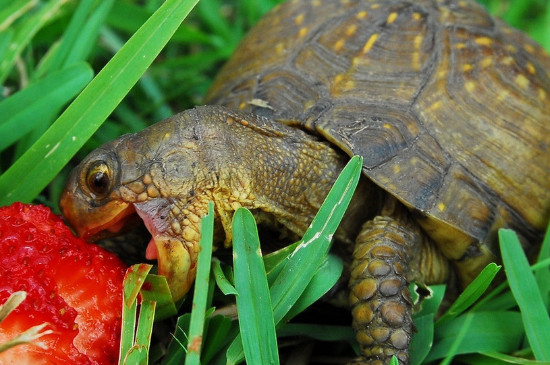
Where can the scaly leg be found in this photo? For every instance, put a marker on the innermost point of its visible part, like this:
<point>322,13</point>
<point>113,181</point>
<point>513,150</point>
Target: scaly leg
<point>388,254</point>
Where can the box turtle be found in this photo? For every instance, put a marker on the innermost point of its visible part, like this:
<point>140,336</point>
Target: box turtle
<point>449,108</point>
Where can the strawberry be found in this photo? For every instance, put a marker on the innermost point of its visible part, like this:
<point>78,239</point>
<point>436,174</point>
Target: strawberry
<point>74,286</point>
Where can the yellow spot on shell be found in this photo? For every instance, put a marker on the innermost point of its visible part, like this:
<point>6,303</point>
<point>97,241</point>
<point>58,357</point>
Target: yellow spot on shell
<point>396,169</point>
<point>467,67</point>
<point>339,44</point>
<point>416,54</point>
<point>441,206</point>
<point>529,48</point>
<point>470,86</point>
<point>460,45</point>
<point>279,48</point>
<point>484,41</point>
<point>417,16</point>
<point>502,95</point>
<point>351,30</point>
<point>302,32</point>
<point>486,62</point>
<point>338,78</point>
<point>387,126</point>
<point>392,17</point>
<point>361,15</point>
<point>542,94</point>
<point>530,68</point>
<point>370,42</point>
<point>507,61</point>
<point>522,81</point>
<point>375,6</point>
<point>299,19</point>
<point>242,105</point>
<point>511,48</point>
<point>438,104</point>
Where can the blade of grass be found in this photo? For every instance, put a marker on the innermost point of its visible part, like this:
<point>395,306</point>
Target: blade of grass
<point>324,279</point>
<point>484,333</point>
<point>253,299</point>
<point>156,289</point>
<point>543,280</point>
<point>62,86</point>
<point>524,287</point>
<point>78,38</point>
<point>200,295</point>
<point>23,33</point>
<point>133,280</point>
<point>222,280</point>
<point>35,169</point>
<point>10,11</point>
<point>472,292</point>
<point>427,309</point>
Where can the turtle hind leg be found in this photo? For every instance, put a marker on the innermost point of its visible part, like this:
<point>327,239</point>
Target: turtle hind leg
<point>388,254</point>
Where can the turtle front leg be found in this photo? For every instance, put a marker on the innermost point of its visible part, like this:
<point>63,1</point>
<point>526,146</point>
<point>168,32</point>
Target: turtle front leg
<point>388,254</point>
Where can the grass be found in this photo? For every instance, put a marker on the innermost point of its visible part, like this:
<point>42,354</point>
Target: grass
<point>101,84</point>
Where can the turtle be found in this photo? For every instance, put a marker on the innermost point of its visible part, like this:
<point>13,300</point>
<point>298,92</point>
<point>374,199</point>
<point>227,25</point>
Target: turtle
<point>448,106</point>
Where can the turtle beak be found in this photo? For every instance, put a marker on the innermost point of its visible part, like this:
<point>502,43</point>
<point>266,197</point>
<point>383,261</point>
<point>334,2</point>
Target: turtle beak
<point>98,222</point>
<point>174,263</point>
<point>176,255</point>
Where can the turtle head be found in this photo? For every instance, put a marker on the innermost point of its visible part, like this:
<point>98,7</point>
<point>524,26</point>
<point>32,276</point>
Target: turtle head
<point>168,173</point>
<point>154,176</point>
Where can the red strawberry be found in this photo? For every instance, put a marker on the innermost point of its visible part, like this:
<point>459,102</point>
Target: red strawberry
<point>74,286</point>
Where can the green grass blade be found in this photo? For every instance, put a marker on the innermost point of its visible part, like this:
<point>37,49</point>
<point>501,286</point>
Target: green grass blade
<point>62,86</point>
<point>139,352</point>
<point>427,309</point>
<point>23,33</point>
<point>478,331</point>
<point>253,299</point>
<point>222,280</point>
<point>78,38</point>
<point>176,352</point>
<point>156,289</point>
<point>133,280</point>
<point>524,287</point>
<point>422,340</point>
<point>542,277</point>
<point>472,292</point>
<point>200,295</point>
<point>10,11</point>
<point>324,279</point>
<point>37,167</point>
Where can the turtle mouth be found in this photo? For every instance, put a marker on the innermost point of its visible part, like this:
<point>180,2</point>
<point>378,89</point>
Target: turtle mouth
<point>124,221</point>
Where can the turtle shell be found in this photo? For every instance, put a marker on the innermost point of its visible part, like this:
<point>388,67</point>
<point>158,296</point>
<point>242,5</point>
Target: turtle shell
<point>449,107</point>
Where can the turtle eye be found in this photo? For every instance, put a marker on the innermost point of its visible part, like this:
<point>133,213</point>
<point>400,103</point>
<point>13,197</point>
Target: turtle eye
<point>98,179</point>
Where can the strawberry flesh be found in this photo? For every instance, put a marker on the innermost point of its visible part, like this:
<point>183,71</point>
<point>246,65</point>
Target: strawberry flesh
<point>74,286</point>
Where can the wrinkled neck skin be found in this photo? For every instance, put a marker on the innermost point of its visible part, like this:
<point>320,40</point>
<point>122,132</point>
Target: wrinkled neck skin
<point>235,160</point>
